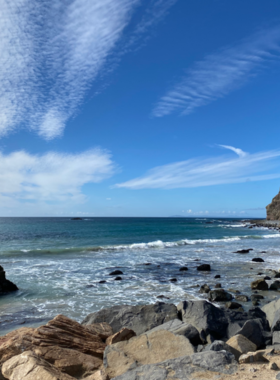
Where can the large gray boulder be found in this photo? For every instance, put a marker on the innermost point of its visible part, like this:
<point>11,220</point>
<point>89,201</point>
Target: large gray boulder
<point>140,318</point>
<point>185,367</point>
<point>144,349</point>
<point>271,309</point>
<point>204,316</point>
<point>178,327</point>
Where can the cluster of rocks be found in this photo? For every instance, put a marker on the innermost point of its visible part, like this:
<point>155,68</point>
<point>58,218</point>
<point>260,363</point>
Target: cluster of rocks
<point>6,285</point>
<point>194,340</point>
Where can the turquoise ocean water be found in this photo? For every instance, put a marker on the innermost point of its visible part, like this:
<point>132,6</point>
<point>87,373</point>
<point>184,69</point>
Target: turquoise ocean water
<point>57,263</point>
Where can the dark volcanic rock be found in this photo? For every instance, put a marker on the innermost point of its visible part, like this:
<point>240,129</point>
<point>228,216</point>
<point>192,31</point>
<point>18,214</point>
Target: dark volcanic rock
<point>219,295</point>
<point>259,284</point>
<point>6,285</point>
<point>140,318</point>
<point>204,316</point>
<point>204,267</point>
<point>258,260</point>
<point>253,330</point>
<point>115,273</point>
<point>233,305</point>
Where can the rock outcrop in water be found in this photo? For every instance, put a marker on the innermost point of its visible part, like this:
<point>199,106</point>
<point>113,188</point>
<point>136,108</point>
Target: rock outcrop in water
<point>273,209</point>
<point>6,285</point>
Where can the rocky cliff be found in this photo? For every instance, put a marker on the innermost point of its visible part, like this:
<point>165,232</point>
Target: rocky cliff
<point>273,209</point>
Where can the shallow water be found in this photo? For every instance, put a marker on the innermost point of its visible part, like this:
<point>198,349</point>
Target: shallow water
<point>57,263</point>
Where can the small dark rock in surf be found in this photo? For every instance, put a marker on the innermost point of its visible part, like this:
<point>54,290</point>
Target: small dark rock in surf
<point>6,285</point>
<point>115,272</point>
<point>267,278</point>
<point>162,296</point>
<point>148,264</point>
<point>76,219</point>
<point>118,278</point>
<point>258,260</point>
<point>102,282</point>
<point>234,291</point>
<point>204,289</point>
<point>204,267</point>
<point>255,303</point>
<point>256,297</point>
<point>173,280</point>
<point>182,269</point>
<point>259,284</point>
<point>233,305</point>
<point>219,295</point>
<point>242,298</point>
<point>259,274</point>
<point>275,285</point>
<point>244,250</point>
<point>217,276</point>
<point>277,275</point>
<point>218,286</point>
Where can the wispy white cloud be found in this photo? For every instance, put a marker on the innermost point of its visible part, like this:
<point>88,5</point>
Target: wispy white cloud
<point>220,73</point>
<point>238,151</point>
<point>200,172</point>
<point>51,177</point>
<point>52,51</point>
<point>154,13</point>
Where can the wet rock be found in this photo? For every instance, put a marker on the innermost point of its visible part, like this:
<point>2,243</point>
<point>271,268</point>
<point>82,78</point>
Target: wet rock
<point>277,275</point>
<point>233,305</point>
<point>219,295</point>
<point>204,267</point>
<point>144,349</point>
<point>259,284</point>
<point>118,278</point>
<point>275,285</point>
<point>234,291</point>
<point>256,297</point>
<point>162,296</point>
<point>138,318</point>
<point>267,278</point>
<point>115,273</point>
<point>242,298</point>
<point>255,303</point>
<point>178,327</point>
<point>28,366</point>
<point>121,336</point>
<point>173,280</point>
<point>6,286</point>
<point>102,282</point>
<point>260,273</point>
<point>184,368</point>
<point>204,289</point>
<point>217,276</point>
<point>258,260</point>
<point>218,286</point>
<point>204,316</point>
<point>244,250</point>
<point>182,269</point>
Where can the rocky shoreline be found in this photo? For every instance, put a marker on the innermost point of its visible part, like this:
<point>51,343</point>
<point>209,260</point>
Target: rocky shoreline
<point>193,340</point>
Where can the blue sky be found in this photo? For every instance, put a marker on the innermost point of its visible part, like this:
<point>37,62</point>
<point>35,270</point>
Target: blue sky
<point>139,108</point>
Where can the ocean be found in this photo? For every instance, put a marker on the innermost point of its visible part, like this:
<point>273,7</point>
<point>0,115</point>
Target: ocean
<point>57,263</point>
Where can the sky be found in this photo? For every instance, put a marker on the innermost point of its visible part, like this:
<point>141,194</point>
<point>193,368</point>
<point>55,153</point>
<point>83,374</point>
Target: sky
<point>139,107</point>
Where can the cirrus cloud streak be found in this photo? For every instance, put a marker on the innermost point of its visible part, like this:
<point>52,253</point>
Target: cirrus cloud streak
<point>201,172</point>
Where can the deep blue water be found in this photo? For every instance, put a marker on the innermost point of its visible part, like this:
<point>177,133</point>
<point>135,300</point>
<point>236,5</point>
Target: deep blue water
<point>57,263</point>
